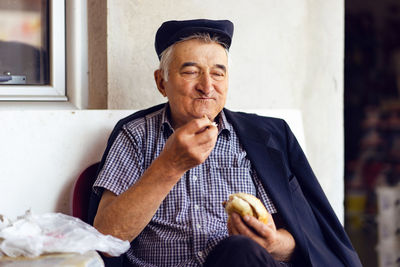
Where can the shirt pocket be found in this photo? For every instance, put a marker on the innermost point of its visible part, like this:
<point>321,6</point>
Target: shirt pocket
<point>224,181</point>
<point>228,160</point>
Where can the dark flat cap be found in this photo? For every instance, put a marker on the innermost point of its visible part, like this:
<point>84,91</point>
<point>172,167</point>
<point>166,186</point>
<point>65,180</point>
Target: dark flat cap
<point>173,31</point>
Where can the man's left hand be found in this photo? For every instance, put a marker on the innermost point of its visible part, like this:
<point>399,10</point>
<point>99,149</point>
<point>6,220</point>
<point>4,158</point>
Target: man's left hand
<point>278,242</point>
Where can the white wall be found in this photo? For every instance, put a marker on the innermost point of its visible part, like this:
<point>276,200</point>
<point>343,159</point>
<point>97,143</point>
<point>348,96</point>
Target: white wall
<point>285,54</point>
<point>42,153</point>
<point>269,50</point>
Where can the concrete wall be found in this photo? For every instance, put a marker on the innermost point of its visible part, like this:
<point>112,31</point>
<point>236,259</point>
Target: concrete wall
<point>97,57</point>
<point>285,54</point>
<point>322,96</point>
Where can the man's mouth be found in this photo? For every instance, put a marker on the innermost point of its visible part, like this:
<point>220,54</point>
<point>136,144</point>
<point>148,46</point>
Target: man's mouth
<point>205,98</point>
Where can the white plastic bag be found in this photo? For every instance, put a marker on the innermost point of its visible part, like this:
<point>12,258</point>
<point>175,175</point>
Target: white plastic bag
<point>4,222</point>
<point>32,235</point>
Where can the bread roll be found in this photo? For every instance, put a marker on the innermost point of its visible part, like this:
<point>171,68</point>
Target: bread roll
<point>246,204</point>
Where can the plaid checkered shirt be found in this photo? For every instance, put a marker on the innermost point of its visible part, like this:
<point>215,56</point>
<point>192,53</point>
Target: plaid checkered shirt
<point>191,220</point>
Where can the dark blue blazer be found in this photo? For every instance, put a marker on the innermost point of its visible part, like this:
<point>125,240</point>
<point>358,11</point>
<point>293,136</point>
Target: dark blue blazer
<point>290,182</point>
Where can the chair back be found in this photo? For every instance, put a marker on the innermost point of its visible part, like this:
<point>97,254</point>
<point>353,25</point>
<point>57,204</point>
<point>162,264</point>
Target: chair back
<point>82,191</point>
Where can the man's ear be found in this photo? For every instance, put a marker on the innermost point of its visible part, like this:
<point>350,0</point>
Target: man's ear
<point>158,77</point>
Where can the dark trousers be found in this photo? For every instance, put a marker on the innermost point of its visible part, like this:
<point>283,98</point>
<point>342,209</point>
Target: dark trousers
<point>240,251</point>
<point>234,251</point>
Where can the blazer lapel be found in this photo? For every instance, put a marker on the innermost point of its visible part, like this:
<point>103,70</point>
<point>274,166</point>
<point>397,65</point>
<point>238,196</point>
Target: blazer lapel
<point>267,161</point>
<point>269,165</point>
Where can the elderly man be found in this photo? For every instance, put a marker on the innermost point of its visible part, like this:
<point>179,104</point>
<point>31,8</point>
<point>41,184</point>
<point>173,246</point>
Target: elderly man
<point>167,169</point>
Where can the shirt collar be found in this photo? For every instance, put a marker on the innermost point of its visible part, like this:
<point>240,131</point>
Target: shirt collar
<point>224,127</point>
<point>166,127</point>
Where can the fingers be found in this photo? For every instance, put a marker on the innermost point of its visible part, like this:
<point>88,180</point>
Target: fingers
<point>207,138</point>
<point>260,228</point>
<point>280,243</point>
<point>199,133</point>
<point>240,227</point>
<point>232,230</point>
<point>229,226</point>
<point>251,227</point>
<point>190,145</point>
<point>198,126</point>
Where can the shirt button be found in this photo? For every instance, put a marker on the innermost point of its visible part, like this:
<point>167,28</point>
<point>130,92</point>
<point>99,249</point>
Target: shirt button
<point>200,254</point>
<point>196,207</point>
<point>194,177</point>
<point>198,226</point>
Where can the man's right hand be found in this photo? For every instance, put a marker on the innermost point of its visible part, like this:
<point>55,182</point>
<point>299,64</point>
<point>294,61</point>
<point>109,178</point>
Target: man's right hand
<point>190,145</point>
<point>126,215</point>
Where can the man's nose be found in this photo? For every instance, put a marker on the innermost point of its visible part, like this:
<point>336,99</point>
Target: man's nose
<point>205,84</point>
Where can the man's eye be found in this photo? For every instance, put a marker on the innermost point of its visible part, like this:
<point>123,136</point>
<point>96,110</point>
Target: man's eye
<point>218,75</point>
<point>190,74</point>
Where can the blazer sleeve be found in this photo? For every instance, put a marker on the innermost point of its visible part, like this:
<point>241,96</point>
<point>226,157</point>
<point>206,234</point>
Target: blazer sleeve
<point>304,183</point>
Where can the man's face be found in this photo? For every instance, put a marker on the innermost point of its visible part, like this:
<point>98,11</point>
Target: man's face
<point>198,81</point>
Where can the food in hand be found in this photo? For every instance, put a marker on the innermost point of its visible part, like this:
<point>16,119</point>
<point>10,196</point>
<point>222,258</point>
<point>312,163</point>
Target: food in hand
<point>246,204</point>
<point>213,123</point>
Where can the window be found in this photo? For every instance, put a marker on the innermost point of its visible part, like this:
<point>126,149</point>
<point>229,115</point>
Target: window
<point>38,40</point>
<point>24,42</point>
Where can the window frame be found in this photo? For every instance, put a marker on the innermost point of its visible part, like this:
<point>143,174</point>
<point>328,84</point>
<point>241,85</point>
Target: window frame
<point>68,37</point>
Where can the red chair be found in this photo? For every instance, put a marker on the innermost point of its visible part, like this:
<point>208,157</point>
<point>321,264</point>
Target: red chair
<point>82,191</point>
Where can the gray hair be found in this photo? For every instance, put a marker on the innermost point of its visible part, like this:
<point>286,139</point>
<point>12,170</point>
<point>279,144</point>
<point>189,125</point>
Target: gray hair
<point>166,55</point>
